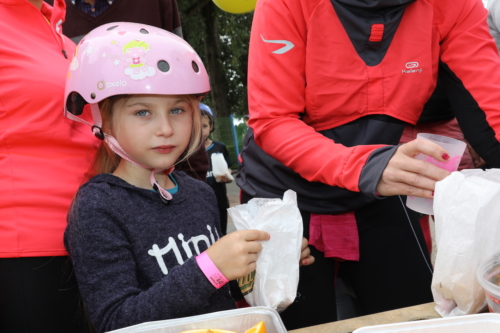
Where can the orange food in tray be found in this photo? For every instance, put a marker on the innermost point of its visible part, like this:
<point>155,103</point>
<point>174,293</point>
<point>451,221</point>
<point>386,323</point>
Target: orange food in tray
<point>208,331</point>
<point>259,328</point>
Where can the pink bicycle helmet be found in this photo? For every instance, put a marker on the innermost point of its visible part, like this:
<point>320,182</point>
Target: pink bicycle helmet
<point>130,58</point>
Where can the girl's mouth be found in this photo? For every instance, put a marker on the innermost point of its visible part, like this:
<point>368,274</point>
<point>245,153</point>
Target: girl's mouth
<point>164,149</point>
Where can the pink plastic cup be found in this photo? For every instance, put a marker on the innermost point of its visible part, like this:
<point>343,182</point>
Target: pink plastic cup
<point>455,149</point>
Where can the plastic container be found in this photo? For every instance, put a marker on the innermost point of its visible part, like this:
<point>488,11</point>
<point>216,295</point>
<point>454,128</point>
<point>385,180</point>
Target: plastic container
<point>455,149</point>
<point>238,320</point>
<point>488,276</point>
<point>479,323</point>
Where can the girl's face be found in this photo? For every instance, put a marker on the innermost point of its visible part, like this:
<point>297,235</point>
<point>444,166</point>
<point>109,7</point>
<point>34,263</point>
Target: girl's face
<point>153,129</point>
<point>136,51</point>
<point>205,127</point>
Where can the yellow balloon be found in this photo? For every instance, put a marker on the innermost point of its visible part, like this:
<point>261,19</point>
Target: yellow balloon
<point>236,6</point>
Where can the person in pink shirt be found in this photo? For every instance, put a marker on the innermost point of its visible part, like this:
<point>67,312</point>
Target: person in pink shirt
<point>43,160</point>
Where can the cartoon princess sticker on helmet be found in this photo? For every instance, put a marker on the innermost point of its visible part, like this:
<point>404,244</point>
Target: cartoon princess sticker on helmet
<point>136,63</point>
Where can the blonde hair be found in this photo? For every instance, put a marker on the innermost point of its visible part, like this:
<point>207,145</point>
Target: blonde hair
<point>106,160</point>
<point>135,43</point>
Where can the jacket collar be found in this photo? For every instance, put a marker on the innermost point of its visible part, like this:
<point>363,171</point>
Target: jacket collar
<point>58,14</point>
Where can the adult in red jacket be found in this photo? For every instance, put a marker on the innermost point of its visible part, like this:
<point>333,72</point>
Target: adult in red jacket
<point>332,84</point>
<point>43,159</point>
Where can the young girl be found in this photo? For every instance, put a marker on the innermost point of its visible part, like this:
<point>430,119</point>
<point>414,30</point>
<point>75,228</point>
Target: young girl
<point>214,147</point>
<point>144,239</point>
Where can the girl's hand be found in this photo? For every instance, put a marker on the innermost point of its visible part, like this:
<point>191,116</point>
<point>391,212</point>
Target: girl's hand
<point>407,176</point>
<point>235,254</point>
<point>305,256</point>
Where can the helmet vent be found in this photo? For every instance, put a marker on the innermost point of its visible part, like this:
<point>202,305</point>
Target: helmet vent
<point>92,95</point>
<point>163,66</point>
<point>75,103</point>
<point>144,31</point>
<point>111,28</point>
<point>195,67</point>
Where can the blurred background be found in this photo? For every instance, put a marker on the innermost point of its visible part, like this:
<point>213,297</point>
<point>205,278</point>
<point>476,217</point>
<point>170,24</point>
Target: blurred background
<point>221,39</point>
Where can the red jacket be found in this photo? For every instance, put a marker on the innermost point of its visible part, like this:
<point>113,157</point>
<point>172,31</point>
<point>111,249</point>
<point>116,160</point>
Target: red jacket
<point>43,155</point>
<point>321,83</point>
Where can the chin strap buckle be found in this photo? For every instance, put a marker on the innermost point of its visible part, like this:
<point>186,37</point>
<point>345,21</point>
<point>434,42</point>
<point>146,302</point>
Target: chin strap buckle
<point>165,195</point>
<point>98,132</point>
<point>159,189</point>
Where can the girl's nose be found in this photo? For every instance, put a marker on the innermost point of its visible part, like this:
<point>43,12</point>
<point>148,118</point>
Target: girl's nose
<point>164,127</point>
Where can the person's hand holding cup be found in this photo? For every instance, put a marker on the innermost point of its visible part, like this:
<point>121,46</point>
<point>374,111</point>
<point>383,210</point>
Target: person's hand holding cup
<point>416,166</point>
<point>455,149</point>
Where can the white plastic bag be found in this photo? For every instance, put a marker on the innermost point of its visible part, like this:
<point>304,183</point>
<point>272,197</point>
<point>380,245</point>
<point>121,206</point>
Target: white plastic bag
<point>219,167</point>
<point>467,215</point>
<point>274,283</point>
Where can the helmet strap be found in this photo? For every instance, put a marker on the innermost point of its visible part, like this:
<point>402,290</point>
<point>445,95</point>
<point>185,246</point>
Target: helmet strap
<point>115,147</point>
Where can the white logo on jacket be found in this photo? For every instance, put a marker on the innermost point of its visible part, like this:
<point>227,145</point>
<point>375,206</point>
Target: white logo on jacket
<point>172,246</point>
<point>412,67</point>
<point>288,45</point>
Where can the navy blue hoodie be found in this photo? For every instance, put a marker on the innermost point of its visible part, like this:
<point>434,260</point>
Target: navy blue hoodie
<point>134,256</point>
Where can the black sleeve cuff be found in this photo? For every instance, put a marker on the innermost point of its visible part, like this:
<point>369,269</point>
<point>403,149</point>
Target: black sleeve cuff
<point>373,169</point>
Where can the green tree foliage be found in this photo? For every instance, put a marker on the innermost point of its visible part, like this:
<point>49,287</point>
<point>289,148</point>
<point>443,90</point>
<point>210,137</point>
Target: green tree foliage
<point>221,39</point>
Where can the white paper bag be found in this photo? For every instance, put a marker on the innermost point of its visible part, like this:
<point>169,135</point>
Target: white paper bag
<point>274,283</point>
<point>467,215</point>
<point>219,167</point>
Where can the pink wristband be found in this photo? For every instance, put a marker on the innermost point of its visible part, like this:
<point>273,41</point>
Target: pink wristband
<point>211,271</point>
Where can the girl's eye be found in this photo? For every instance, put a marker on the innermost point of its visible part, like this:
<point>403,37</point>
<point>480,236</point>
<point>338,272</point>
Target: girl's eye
<point>142,113</point>
<point>176,111</point>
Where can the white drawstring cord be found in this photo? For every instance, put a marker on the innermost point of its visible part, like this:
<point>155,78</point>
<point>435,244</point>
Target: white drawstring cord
<point>416,238</point>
